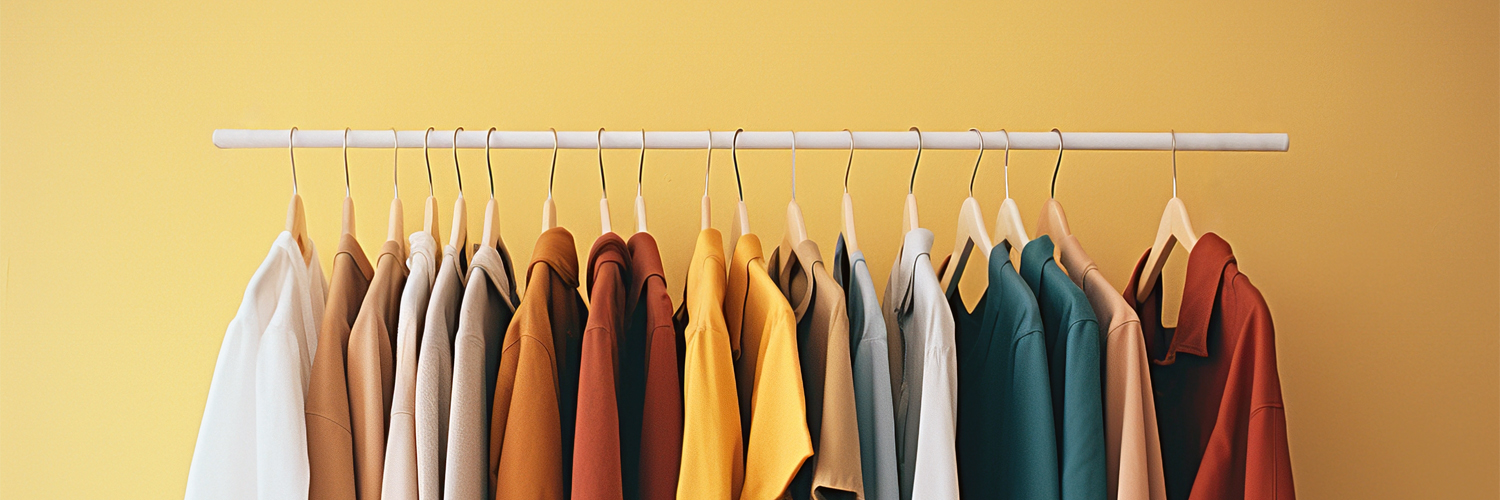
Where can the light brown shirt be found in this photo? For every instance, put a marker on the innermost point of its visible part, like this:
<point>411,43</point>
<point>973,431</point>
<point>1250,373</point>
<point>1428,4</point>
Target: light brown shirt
<point>330,444</point>
<point>372,369</point>
<point>834,471</point>
<point>1133,467</point>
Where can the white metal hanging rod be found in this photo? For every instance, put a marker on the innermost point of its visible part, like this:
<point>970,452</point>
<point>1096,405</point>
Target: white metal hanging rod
<point>627,139</point>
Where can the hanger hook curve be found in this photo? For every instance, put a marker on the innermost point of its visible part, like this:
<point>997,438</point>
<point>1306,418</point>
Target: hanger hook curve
<point>599,148</point>
<point>708,160</point>
<point>458,171</point>
<point>910,186</point>
<point>428,158</point>
<point>395,164</point>
<point>849,165</point>
<point>734,154</point>
<point>794,165</point>
<point>1007,162</point>
<point>640,169</point>
<point>291,151</point>
<point>487,164</point>
<point>975,173</point>
<point>1174,163</point>
<point>346,162</point>
<point>1059,161</point>
<point>552,174</point>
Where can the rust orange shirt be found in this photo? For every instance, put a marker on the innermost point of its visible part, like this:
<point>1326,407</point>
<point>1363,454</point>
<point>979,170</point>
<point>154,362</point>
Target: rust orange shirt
<point>650,426</point>
<point>1218,397</point>
<point>597,464</point>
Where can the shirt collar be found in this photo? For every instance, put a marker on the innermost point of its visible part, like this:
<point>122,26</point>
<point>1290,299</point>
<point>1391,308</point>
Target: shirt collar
<point>423,249</point>
<point>803,258</point>
<point>918,242</point>
<point>737,290</point>
<point>608,249</point>
<point>645,263</point>
<point>1074,259</point>
<point>1200,292</point>
<point>1034,258</point>
<point>555,248</point>
<point>349,245</point>
<point>496,265</point>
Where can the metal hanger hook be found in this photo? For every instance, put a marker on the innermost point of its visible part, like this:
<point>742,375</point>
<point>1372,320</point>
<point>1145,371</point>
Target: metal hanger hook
<point>291,151</point>
<point>734,154</point>
<point>599,148</point>
<point>458,171</point>
<point>1007,162</point>
<point>975,173</point>
<point>346,162</point>
<point>487,164</point>
<point>1059,161</point>
<point>849,165</point>
<point>552,174</point>
<point>794,165</point>
<point>640,169</point>
<point>910,187</point>
<point>1174,163</point>
<point>395,164</point>
<point>427,158</point>
<point>708,160</point>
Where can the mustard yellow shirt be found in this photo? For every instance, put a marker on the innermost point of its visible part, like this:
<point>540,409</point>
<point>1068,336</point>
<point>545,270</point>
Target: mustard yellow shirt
<point>768,373</point>
<point>712,456</point>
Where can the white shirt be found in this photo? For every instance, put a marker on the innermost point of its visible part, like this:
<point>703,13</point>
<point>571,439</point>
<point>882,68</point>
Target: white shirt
<point>252,442</point>
<point>400,473</point>
<point>435,375</point>
<point>927,406</point>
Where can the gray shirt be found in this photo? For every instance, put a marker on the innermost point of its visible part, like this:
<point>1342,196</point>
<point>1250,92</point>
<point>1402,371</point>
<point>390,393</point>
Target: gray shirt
<point>927,401</point>
<point>435,374</point>
<point>488,304</point>
<point>872,375</point>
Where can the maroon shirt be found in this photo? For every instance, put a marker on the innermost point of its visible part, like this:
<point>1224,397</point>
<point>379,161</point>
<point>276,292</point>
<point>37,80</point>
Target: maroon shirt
<point>1218,398</point>
<point>651,415</point>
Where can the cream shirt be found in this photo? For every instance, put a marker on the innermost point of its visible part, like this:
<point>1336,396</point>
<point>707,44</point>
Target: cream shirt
<point>435,375</point>
<point>400,480</point>
<point>252,442</point>
<point>489,302</point>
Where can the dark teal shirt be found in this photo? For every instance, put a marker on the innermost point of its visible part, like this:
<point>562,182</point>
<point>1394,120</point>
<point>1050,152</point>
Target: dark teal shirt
<point>1006,444</point>
<point>1073,347</point>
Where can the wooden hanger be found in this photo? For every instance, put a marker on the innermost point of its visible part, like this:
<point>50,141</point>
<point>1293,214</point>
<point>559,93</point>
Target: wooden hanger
<point>296,215</point>
<point>458,237</point>
<point>640,203</point>
<point>1054,222</point>
<point>429,207</point>
<point>850,241</point>
<point>1009,228</point>
<point>796,227</point>
<point>741,224</point>
<point>491,235</point>
<point>705,212</point>
<point>549,209</point>
<point>909,210</point>
<point>395,225</point>
<point>348,201</point>
<point>1175,227</point>
<point>970,231</point>
<point>604,225</point>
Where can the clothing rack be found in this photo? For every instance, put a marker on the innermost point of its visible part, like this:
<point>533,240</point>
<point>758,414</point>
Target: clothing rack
<point>620,139</point>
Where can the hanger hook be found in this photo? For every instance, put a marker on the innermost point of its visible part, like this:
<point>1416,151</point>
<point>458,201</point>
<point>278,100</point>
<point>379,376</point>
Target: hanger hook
<point>599,148</point>
<point>734,154</point>
<point>552,174</point>
<point>425,136</point>
<point>794,165</point>
<point>458,171</point>
<point>395,164</point>
<point>346,162</point>
<point>640,169</point>
<point>910,187</point>
<point>1174,163</point>
<point>976,161</point>
<point>487,165</point>
<point>851,160</point>
<point>291,151</point>
<point>1059,161</point>
<point>1007,162</point>
<point>708,160</point>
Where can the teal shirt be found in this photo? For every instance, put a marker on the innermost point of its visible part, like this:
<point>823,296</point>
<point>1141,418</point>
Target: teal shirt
<point>1073,355</point>
<point>1006,443</point>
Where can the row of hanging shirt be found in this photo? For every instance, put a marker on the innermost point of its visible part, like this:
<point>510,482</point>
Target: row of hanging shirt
<point>779,376</point>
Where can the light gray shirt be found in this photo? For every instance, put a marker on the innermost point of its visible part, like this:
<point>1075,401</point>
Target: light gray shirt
<point>435,375</point>
<point>488,304</point>
<point>400,479</point>
<point>927,393</point>
<point>872,375</point>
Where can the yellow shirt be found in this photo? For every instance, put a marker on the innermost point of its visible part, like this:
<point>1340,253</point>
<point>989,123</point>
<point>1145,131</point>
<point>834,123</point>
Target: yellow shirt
<point>768,374</point>
<point>712,456</point>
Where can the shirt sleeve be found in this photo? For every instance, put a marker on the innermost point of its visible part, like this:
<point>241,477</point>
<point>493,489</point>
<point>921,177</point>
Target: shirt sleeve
<point>529,463</point>
<point>936,473</point>
<point>1082,467</point>
<point>1268,466</point>
<point>1032,438</point>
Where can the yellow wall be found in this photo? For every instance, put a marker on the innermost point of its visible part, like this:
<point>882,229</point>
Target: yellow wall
<point>127,238</point>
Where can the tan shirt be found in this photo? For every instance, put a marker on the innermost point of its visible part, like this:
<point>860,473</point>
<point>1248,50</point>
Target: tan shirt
<point>372,369</point>
<point>400,481</point>
<point>330,443</point>
<point>1133,467</point>
<point>834,471</point>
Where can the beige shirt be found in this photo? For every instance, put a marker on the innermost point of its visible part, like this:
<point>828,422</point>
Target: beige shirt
<point>489,301</point>
<point>372,369</point>
<point>1133,467</point>
<point>834,471</point>
<point>435,374</point>
<point>400,481</point>
<point>330,444</point>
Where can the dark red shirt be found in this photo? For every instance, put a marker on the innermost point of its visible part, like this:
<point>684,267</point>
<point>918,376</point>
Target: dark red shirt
<point>651,414</point>
<point>1218,398</point>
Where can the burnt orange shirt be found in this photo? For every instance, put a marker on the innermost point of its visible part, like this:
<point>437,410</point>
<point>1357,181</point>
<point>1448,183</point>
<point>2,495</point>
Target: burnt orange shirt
<point>330,443</point>
<point>597,464</point>
<point>1218,397</point>
<point>372,369</point>
<point>531,428</point>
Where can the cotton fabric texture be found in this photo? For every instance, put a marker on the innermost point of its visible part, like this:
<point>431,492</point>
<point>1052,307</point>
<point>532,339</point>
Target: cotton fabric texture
<point>372,369</point>
<point>872,375</point>
<point>400,474</point>
<point>712,447</point>
<point>598,468</point>
<point>488,304</point>
<point>435,373</point>
<point>330,438</point>
<point>651,340</point>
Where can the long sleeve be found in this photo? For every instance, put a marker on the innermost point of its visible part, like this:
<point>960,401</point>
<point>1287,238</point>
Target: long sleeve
<point>1082,441</point>
<point>936,475</point>
<point>526,429</point>
<point>1032,434</point>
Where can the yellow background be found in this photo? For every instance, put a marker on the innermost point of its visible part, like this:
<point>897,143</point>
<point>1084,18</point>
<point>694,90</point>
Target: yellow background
<point>127,238</point>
